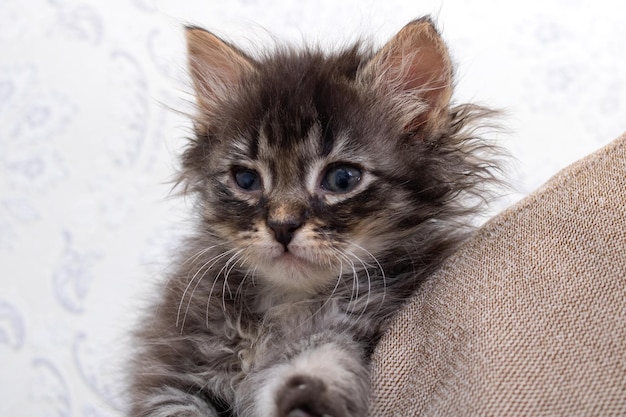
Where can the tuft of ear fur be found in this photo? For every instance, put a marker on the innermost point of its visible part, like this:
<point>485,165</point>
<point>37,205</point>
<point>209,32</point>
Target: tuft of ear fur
<point>216,68</point>
<point>414,71</point>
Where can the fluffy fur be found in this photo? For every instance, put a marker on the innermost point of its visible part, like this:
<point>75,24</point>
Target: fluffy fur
<point>328,186</point>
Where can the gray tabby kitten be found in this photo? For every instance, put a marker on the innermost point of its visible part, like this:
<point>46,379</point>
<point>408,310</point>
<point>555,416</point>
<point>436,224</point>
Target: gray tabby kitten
<point>328,186</point>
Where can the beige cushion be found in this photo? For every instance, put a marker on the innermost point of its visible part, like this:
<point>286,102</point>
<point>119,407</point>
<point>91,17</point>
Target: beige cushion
<point>529,316</point>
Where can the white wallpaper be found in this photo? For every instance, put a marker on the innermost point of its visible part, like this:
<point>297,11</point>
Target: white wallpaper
<point>88,141</point>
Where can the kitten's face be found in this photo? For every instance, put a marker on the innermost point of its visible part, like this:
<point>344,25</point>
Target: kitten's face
<point>300,197</point>
<point>305,172</point>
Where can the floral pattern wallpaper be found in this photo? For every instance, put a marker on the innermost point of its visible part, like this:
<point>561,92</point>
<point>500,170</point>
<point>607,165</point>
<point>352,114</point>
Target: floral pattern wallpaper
<point>92,97</point>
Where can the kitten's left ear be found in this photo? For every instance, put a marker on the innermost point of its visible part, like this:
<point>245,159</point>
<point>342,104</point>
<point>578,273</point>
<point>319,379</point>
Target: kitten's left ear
<point>414,70</point>
<point>216,68</point>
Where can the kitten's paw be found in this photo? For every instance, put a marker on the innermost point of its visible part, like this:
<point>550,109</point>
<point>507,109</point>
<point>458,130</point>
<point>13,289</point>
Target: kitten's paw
<point>307,396</point>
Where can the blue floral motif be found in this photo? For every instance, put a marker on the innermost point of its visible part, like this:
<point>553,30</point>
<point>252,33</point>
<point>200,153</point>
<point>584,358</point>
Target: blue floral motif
<point>97,370</point>
<point>82,22</point>
<point>12,331</point>
<point>131,118</point>
<point>49,389</point>
<point>73,276</point>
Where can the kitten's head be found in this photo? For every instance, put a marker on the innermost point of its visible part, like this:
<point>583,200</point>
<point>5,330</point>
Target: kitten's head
<point>309,165</point>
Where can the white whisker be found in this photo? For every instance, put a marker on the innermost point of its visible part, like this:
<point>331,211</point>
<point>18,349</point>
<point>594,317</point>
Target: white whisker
<point>369,287</point>
<point>215,279</point>
<point>201,252</point>
<point>354,292</point>
<point>227,269</point>
<point>380,268</point>
<point>329,298</point>
<point>239,290</point>
<point>212,263</point>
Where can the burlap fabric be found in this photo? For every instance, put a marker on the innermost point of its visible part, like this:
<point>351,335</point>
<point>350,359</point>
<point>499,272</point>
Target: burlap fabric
<point>529,317</point>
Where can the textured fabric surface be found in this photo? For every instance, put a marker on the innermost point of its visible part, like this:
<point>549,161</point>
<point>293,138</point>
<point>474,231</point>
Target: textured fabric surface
<point>529,317</point>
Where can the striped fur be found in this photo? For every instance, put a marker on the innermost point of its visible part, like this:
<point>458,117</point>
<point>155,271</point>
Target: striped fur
<point>250,326</point>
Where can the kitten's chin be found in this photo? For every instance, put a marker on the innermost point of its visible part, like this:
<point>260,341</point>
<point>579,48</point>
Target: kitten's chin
<point>295,274</point>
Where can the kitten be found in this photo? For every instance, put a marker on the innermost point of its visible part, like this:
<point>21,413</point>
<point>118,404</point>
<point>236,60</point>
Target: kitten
<point>328,186</point>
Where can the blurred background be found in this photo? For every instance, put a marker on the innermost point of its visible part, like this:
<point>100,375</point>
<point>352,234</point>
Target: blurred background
<point>89,139</point>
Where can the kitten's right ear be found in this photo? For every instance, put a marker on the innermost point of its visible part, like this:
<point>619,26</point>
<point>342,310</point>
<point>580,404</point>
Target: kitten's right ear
<point>413,69</point>
<point>216,68</point>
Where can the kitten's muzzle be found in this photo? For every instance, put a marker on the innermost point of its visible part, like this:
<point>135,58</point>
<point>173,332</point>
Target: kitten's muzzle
<point>284,231</point>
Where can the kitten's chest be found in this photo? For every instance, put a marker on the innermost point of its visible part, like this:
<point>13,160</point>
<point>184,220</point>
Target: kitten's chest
<point>273,333</point>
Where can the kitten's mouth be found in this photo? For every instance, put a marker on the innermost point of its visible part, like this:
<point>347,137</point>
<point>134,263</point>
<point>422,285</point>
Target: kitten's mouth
<point>290,257</point>
<point>296,269</point>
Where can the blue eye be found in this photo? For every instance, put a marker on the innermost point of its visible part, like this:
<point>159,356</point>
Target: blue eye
<point>247,179</point>
<point>341,178</point>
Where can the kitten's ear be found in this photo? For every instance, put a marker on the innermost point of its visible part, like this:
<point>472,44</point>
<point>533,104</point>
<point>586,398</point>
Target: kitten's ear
<point>415,71</point>
<point>216,68</point>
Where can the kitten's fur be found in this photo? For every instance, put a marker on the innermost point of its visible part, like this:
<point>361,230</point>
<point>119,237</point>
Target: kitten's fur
<point>328,187</point>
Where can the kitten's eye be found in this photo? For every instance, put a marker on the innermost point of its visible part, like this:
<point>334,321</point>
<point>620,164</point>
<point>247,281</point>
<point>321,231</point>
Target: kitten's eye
<point>247,179</point>
<point>341,178</point>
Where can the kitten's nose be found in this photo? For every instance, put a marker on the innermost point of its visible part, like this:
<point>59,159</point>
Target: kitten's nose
<point>283,231</point>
